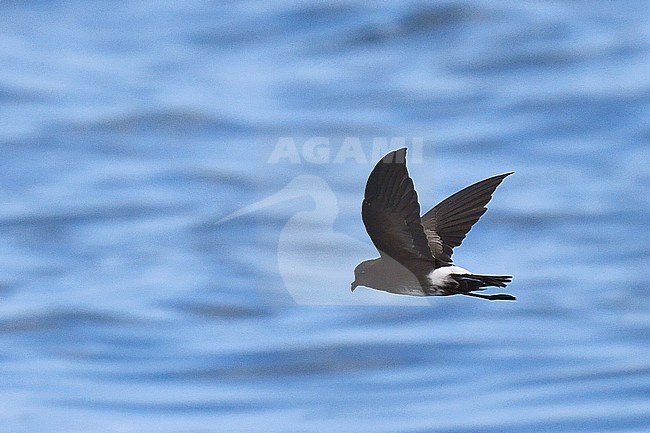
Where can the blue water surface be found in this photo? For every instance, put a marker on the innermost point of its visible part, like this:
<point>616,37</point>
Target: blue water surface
<point>129,130</point>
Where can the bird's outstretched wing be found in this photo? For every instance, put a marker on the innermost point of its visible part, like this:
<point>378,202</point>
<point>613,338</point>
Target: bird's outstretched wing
<point>449,221</point>
<point>391,212</point>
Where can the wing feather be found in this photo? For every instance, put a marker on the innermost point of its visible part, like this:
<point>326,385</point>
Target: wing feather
<point>447,224</point>
<point>391,212</point>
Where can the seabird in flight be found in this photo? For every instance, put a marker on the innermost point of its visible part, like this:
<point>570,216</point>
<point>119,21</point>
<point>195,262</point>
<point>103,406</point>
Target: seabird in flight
<point>415,252</point>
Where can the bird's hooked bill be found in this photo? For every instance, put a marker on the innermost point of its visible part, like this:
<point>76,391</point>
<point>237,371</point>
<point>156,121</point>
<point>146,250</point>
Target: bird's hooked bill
<point>353,286</point>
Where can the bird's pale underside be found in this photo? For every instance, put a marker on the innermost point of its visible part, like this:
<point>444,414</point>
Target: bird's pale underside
<point>415,251</point>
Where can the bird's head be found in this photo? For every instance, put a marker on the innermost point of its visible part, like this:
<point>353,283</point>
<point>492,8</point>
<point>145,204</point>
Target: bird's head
<point>362,274</point>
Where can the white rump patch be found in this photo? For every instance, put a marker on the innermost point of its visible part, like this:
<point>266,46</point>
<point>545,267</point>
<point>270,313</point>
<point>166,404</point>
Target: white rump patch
<point>440,276</point>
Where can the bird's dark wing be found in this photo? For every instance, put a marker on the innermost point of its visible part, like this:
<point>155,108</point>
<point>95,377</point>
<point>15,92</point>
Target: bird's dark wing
<point>391,212</point>
<point>449,221</point>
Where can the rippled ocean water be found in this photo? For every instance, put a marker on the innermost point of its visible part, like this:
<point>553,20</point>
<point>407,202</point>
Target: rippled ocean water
<point>129,130</point>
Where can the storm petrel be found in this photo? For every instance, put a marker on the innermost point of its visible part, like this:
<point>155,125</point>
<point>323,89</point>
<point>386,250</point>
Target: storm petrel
<point>415,252</point>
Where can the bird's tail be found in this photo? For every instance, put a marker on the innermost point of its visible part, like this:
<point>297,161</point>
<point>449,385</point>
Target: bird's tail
<point>468,283</point>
